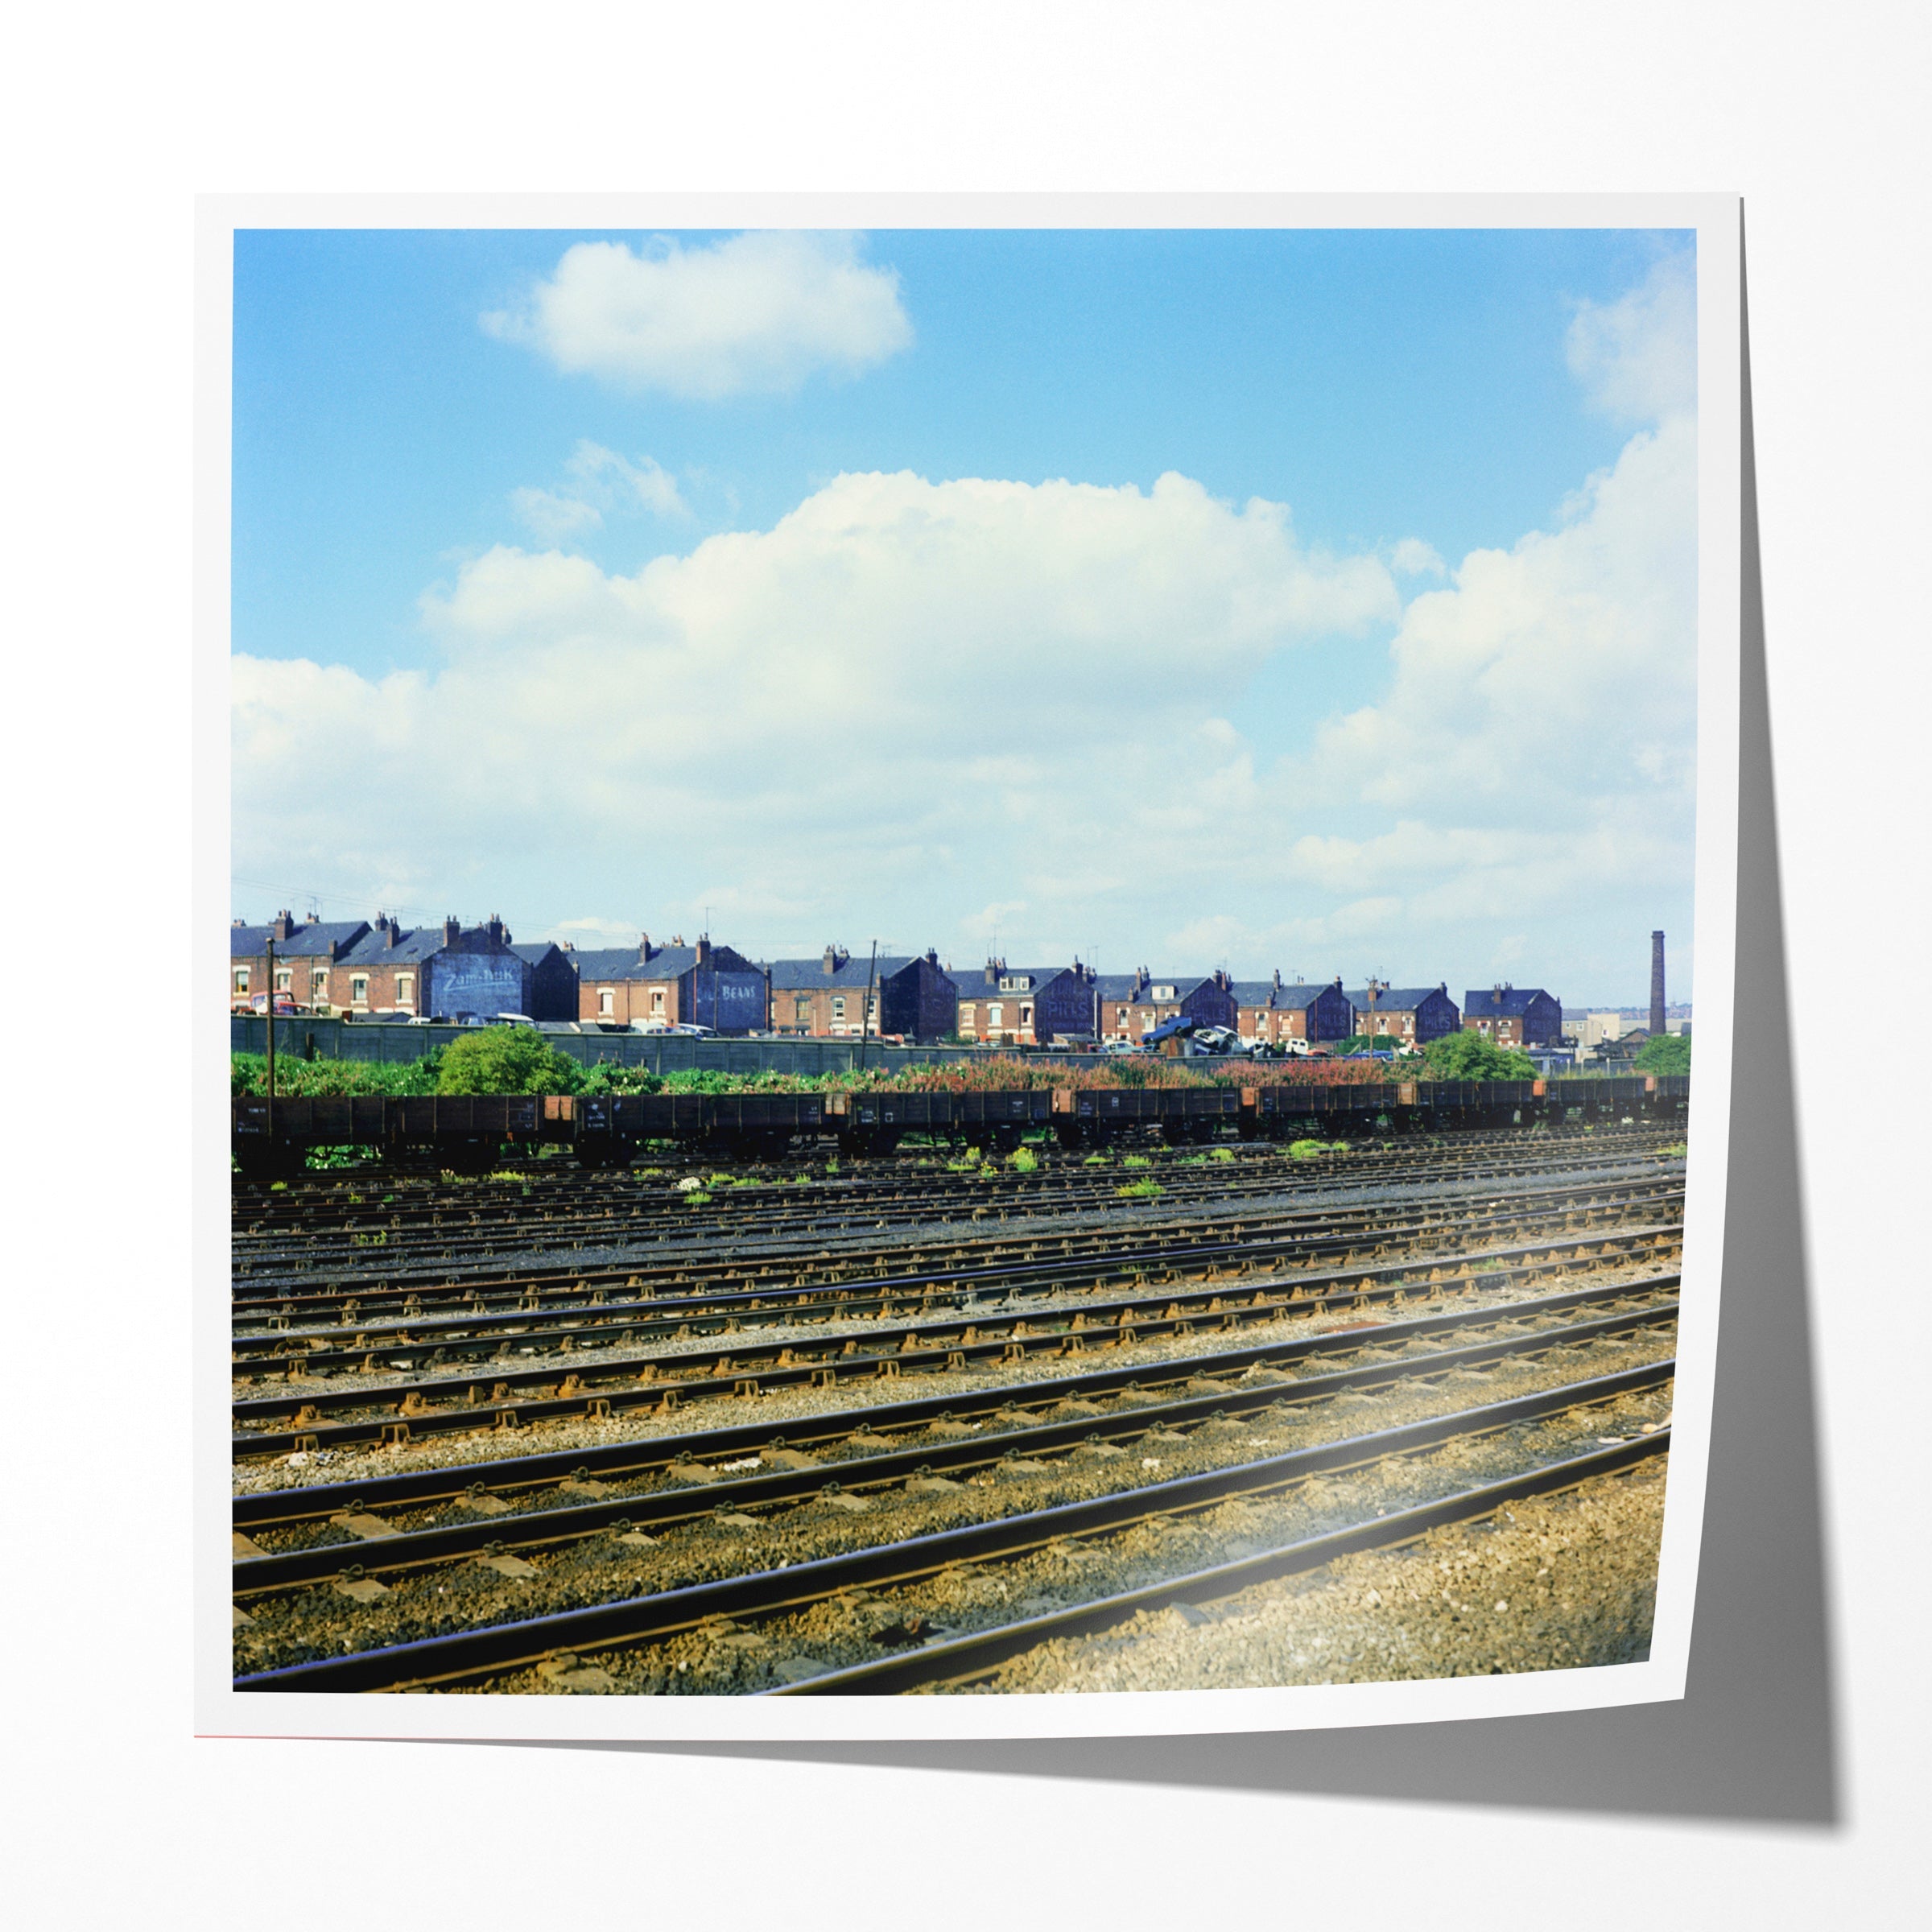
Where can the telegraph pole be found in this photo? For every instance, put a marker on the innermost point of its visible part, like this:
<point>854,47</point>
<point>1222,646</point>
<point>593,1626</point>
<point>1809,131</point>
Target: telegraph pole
<point>865,1011</point>
<point>271,1038</point>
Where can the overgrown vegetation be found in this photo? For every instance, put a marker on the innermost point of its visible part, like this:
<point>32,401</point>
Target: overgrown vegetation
<point>1668,1052</point>
<point>506,1060</point>
<point>1309,1150</point>
<point>1139,1190</point>
<point>1469,1056</point>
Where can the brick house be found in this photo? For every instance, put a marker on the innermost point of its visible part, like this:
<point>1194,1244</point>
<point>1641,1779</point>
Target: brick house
<point>1128,1006</point>
<point>305,952</point>
<point>825,998</point>
<point>446,971</point>
<point>1272,1012</point>
<point>553,980</point>
<point>1407,1016</point>
<point>674,985</point>
<point>1025,1005</point>
<point>1515,1016</point>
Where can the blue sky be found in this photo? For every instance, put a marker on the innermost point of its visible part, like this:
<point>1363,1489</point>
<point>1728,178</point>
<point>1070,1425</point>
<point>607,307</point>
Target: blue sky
<point>416,433</point>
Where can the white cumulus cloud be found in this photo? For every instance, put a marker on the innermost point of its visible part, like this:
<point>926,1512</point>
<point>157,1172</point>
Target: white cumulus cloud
<point>599,482</point>
<point>1636,357</point>
<point>757,312</point>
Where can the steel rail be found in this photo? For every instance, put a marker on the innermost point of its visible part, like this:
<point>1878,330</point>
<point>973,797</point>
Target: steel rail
<point>503,1222</point>
<point>473,1331</point>
<point>747,1270</point>
<point>493,1649</point>
<point>960,1660</point>
<point>644,1380</point>
<point>432,1547</point>
<point>418,1268</point>
<point>508,1475</point>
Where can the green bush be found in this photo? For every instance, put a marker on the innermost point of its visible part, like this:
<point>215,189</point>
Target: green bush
<point>1469,1056</point>
<point>1668,1052</point>
<point>506,1060</point>
<point>1023,1160</point>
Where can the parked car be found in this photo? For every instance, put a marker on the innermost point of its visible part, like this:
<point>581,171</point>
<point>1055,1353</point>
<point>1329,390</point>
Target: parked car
<point>692,1030</point>
<point>514,1019</point>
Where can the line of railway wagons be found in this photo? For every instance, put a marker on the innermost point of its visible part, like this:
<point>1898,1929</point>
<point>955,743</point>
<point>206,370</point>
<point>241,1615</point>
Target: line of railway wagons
<point>608,1130</point>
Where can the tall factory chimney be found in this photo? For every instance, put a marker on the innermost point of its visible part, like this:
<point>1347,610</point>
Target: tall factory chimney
<point>1656,985</point>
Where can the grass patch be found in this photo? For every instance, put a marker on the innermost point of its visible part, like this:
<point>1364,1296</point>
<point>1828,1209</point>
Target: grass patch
<point>1679,1150</point>
<point>1139,1191</point>
<point>1134,1160</point>
<point>1223,1154</point>
<point>1309,1150</point>
<point>1094,1160</point>
<point>1023,1160</point>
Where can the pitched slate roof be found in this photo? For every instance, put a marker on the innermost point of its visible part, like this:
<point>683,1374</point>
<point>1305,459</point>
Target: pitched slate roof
<point>973,984</point>
<point>411,948</point>
<point>665,963</point>
<point>1295,997</point>
<point>310,940</point>
<point>536,951</point>
<point>1393,999</point>
<point>1511,1002</point>
<point>809,976</point>
<point>1115,986</point>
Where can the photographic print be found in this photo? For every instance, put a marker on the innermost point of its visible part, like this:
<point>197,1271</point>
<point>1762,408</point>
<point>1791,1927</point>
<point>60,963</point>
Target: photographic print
<point>965,948</point>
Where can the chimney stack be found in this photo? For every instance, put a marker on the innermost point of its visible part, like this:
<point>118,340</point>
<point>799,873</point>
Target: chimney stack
<point>704,949</point>
<point>1656,985</point>
<point>284,926</point>
<point>452,930</point>
<point>497,936</point>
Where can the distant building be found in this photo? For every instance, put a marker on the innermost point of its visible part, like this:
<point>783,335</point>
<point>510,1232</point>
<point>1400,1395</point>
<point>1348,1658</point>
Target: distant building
<point>1128,1006</point>
<point>1006,1005</point>
<point>553,980</point>
<point>826,998</point>
<point>305,951</point>
<point>1407,1016</point>
<point>1513,1016</point>
<point>1271,1012</point>
<point>674,985</point>
<point>451,971</point>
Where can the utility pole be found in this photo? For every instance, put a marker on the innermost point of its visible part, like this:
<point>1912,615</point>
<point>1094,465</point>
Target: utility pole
<point>270,1015</point>
<point>865,1011</point>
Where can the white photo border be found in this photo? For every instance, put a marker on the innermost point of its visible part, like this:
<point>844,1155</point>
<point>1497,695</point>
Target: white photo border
<point>219,1710</point>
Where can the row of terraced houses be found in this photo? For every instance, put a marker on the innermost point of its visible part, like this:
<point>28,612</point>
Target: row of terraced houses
<point>381,969</point>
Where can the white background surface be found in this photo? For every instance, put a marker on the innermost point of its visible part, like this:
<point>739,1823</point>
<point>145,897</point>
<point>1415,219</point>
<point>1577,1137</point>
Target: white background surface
<point>115,122</point>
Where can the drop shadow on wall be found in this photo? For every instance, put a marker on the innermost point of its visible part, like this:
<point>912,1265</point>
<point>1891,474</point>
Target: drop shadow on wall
<point>1755,1738</point>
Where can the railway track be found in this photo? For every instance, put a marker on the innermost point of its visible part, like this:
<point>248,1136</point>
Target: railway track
<point>603,1386</point>
<point>849,1281</point>
<point>722,1255</point>
<point>497,1650</point>
<point>768,1213</point>
<point>1129,1406</point>
<point>874,1448</point>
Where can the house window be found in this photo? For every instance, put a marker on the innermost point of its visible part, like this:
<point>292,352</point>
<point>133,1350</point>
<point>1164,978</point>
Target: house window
<point>657,999</point>
<point>838,1005</point>
<point>1120,1016</point>
<point>240,979</point>
<point>1025,1016</point>
<point>995,1013</point>
<point>285,979</point>
<point>607,1001</point>
<point>318,984</point>
<point>966,1025</point>
<point>801,1012</point>
<point>358,989</point>
<point>405,990</point>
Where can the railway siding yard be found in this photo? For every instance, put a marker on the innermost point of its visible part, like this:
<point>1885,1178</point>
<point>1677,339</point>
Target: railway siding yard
<point>1153,1416</point>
